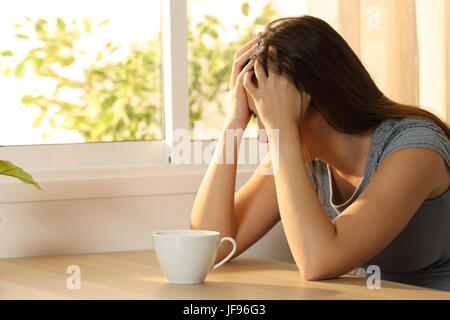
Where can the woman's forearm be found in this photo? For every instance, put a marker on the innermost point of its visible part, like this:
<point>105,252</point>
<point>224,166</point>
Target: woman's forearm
<point>213,207</point>
<point>309,231</point>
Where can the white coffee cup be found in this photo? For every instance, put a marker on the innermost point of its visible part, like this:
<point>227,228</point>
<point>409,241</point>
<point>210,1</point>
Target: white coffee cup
<point>186,256</point>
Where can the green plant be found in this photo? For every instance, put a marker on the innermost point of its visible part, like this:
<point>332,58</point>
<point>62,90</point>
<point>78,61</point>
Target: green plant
<point>116,100</point>
<point>8,169</point>
<point>121,100</point>
<point>210,58</point>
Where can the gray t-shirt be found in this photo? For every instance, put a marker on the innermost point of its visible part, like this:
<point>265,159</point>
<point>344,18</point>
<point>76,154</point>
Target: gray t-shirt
<point>420,254</point>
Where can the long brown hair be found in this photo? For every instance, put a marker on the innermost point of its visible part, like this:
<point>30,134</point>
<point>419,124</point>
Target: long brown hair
<point>322,64</point>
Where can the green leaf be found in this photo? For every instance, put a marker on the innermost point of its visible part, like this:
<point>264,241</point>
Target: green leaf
<point>6,71</point>
<point>211,19</point>
<point>87,25</point>
<point>99,55</point>
<point>8,169</point>
<point>19,71</point>
<point>245,8</point>
<point>38,120</point>
<point>38,62</point>
<point>261,21</point>
<point>67,43</point>
<point>39,25</point>
<point>52,123</point>
<point>108,117</point>
<point>61,24</point>
<point>67,62</point>
<point>213,34</point>
<point>196,115</point>
<point>108,102</point>
<point>22,36</point>
<point>106,21</point>
<point>27,99</point>
<point>7,53</point>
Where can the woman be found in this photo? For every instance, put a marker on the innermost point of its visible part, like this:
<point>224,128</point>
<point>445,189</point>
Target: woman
<point>361,180</point>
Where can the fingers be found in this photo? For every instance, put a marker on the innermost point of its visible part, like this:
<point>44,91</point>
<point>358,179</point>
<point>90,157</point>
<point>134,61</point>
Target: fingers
<point>248,83</point>
<point>245,47</point>
<point>261,78</point>
<point>239,63</point>
<point>246,70</point>
<point>260,73</point>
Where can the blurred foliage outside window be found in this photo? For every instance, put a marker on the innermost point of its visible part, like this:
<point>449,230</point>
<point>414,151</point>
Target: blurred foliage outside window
<point>121,100</point>
<point>115,100</point>
<point>210,63</point>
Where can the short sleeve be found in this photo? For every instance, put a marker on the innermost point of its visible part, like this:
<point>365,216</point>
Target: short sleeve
<point>417,133</point>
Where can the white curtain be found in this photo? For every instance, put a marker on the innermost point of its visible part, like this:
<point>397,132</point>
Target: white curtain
<point>404,44</point>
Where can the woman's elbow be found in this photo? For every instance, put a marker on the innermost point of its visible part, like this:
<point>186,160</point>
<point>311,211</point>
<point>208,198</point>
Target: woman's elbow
<point>316,272</point>
<point>313,276</point>
<point>310,275</point>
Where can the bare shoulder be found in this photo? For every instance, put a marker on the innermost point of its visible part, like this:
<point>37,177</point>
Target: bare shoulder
<point>425,163</point>
<point>402,182</point>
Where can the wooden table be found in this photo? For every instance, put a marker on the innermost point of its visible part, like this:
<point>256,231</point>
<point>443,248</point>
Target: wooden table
<point>137,275</point>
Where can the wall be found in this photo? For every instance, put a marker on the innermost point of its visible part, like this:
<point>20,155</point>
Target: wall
<point>115,223</point>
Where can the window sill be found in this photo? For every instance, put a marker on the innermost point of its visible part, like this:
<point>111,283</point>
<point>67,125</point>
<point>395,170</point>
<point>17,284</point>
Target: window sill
<point>110,182</point>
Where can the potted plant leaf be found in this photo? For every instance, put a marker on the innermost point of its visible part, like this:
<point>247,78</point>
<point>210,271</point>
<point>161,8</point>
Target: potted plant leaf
<point>8,169</point>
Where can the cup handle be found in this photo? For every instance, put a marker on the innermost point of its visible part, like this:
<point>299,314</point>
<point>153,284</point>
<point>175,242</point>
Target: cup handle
<point>229,255</point>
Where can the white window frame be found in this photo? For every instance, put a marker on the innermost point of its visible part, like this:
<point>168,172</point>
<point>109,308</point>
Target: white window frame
<point>117,169</point>
<point>175,113</point>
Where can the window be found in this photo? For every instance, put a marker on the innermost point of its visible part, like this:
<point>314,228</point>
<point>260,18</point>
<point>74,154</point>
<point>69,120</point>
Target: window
<point>111,71</point>
<point>80,71</point>
<point>215,30</point>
